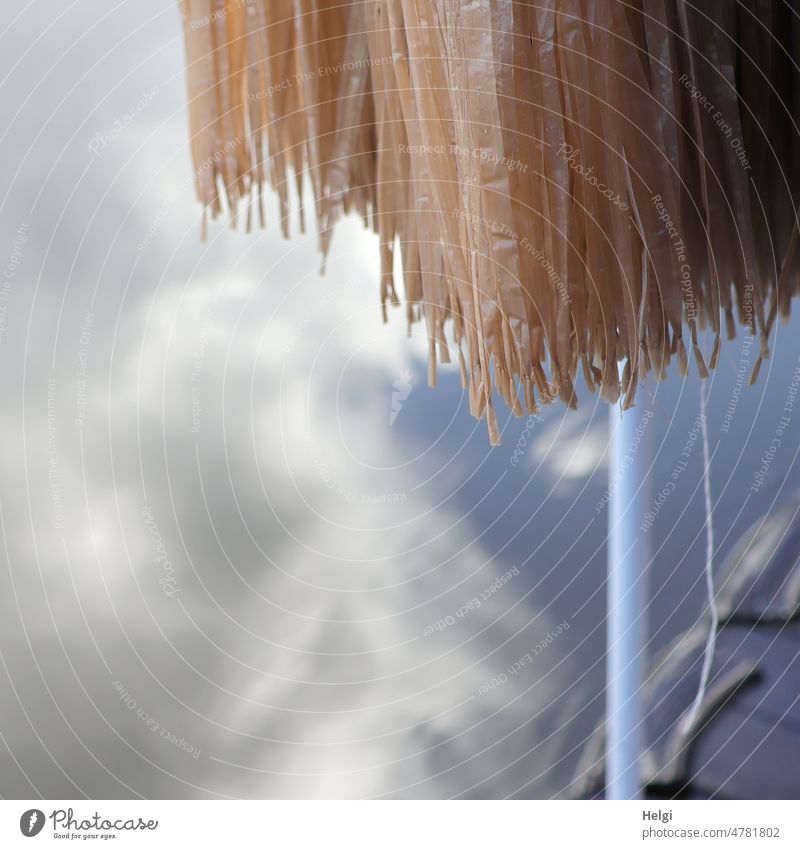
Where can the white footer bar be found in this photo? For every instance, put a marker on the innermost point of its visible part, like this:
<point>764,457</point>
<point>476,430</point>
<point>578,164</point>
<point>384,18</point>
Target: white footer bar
<point>400,825</point>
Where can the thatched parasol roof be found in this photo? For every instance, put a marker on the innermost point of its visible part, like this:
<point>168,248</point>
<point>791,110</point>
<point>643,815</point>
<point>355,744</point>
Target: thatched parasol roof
<point>571,183</point>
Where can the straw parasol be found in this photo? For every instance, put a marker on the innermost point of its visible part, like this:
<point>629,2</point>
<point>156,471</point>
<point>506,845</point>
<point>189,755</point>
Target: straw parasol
<point>573,185</point>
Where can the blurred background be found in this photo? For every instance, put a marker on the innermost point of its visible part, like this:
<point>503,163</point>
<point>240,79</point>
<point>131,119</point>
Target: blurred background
<point>246,551</point>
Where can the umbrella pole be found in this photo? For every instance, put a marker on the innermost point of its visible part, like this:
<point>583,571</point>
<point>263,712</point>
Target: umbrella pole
<point>628,558</point>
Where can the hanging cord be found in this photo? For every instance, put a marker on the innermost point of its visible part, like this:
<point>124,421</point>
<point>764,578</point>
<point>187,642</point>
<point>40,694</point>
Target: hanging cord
<point>708,657</point>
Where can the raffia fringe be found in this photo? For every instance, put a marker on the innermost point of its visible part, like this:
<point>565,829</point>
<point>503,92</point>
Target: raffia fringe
<point>571,184</point>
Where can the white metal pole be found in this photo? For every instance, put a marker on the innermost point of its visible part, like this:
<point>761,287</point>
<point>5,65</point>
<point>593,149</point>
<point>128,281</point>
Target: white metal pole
<point>628,561</point>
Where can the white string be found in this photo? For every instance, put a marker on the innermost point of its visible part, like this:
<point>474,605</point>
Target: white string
<point>708,657</point>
